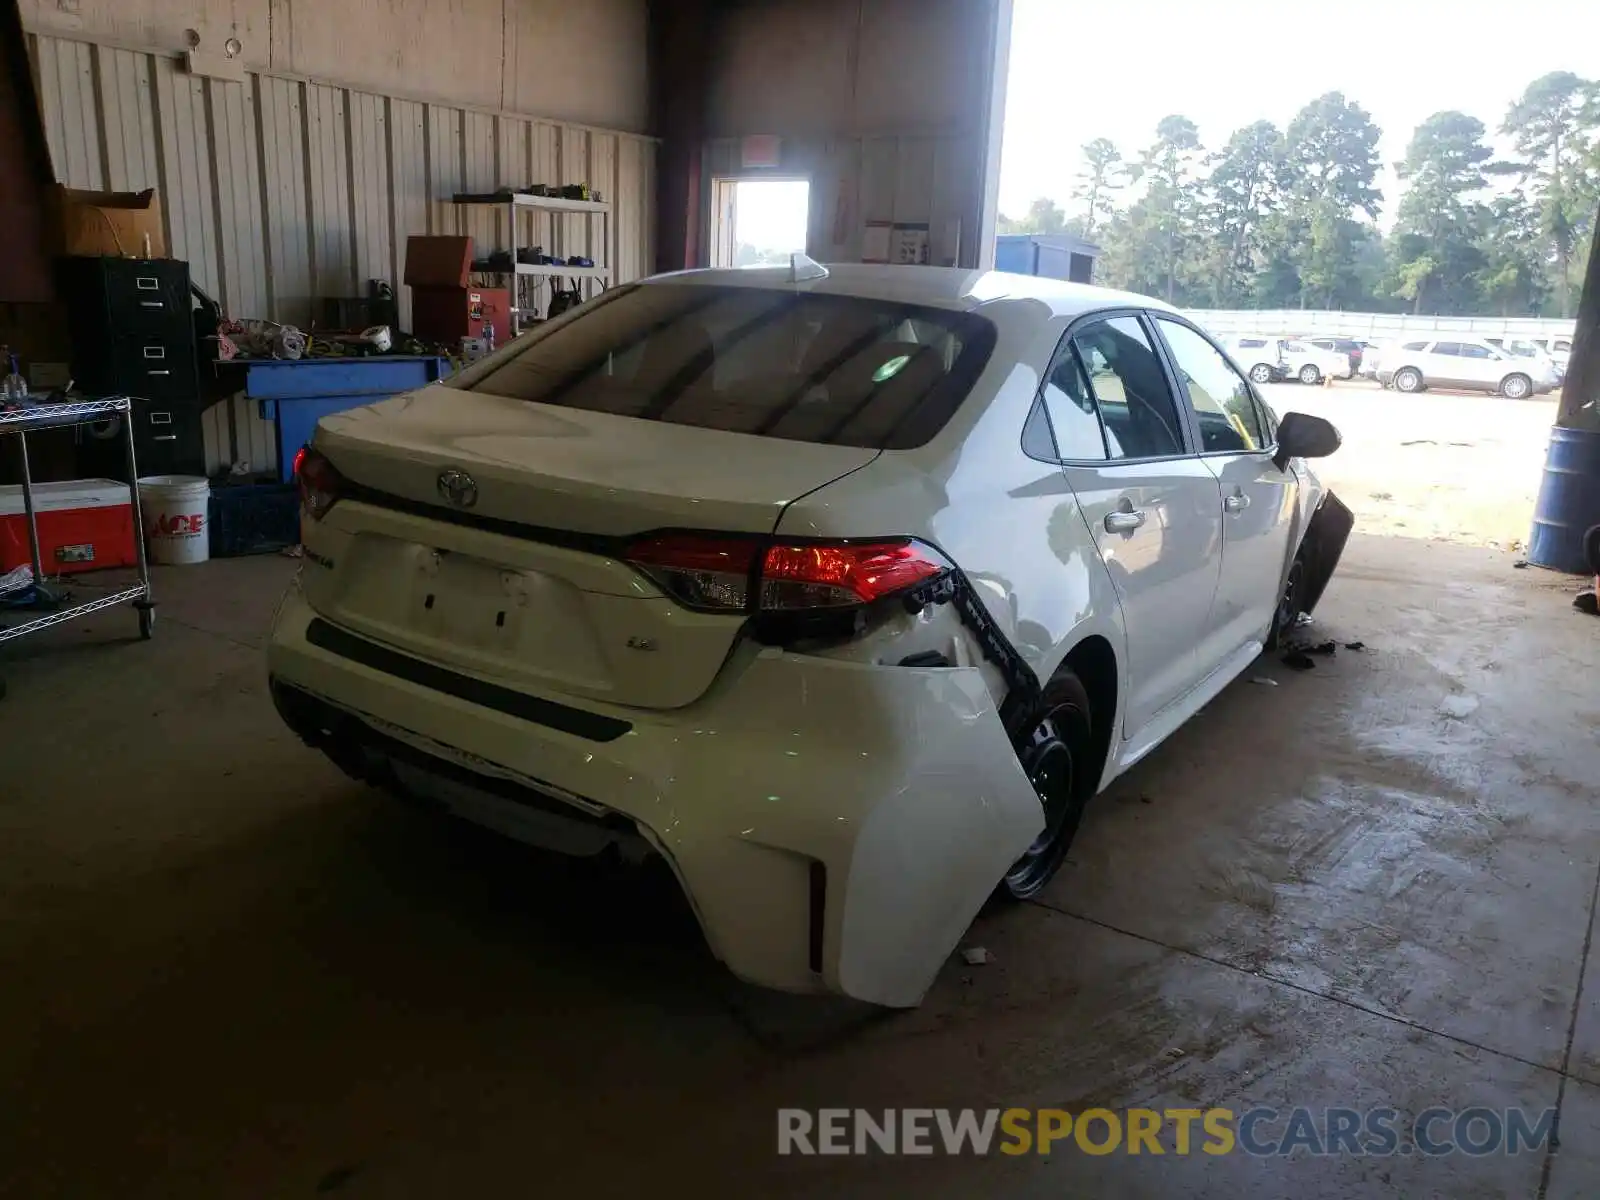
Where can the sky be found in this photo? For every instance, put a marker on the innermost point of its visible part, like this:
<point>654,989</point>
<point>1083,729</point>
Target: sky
<point>1081,71</point>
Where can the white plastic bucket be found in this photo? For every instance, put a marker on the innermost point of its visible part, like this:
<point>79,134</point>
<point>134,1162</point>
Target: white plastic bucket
<point>174,508</point>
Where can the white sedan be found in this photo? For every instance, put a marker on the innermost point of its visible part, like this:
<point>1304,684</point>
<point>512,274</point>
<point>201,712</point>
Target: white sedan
<point>1312,364</point>
<point>842,591</point>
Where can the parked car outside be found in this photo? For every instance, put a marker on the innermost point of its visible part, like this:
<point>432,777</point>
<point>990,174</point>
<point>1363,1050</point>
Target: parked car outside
<point>1464,362</point>
<point>1311,363</point>
<point>1263,358</point>
<point>1519,348</point>
<point>840,591</point>
<point>1351,348</point>
<point>1559,348</point>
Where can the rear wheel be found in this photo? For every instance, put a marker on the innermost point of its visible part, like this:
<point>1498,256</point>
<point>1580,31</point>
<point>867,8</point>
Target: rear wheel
<point>1408,379</point>
<point>1261,373</point>
<point>1056,759</point>
<point>1309,374</point>
<point>1516,387</point>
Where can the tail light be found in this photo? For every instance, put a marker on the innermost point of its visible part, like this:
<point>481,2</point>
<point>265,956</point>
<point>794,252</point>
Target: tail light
<point>318,481</point>
<point>733,574</point>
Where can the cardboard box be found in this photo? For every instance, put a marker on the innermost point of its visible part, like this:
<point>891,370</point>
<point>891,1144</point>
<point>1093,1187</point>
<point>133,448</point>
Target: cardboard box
<point>437,261</point>
<point>101,224</point>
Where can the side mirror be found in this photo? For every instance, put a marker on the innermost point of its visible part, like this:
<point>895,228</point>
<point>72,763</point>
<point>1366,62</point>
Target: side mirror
<point>1301,435</point>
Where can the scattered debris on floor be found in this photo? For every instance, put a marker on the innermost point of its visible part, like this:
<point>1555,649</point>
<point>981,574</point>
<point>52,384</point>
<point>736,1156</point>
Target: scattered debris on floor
<point>1356,646</point>
<point>1521,564</point>
<point>1298,654</point>
<point>975,956</point>
<point>1587,602</point>
<point>1174,1052</point>
<point>1263,680</point>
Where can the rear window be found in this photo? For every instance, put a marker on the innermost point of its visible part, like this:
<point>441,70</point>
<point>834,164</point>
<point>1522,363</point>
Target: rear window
<point>840,370</point>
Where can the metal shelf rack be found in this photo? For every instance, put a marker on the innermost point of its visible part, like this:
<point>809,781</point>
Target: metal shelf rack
<point>55,416</point>
<point>554,206</point>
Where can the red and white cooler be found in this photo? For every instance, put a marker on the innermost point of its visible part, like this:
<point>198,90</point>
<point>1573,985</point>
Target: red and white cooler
<point>84,525</point>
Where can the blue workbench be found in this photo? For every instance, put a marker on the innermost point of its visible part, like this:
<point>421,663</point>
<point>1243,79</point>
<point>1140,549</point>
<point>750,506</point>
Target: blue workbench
<point>294,394</point>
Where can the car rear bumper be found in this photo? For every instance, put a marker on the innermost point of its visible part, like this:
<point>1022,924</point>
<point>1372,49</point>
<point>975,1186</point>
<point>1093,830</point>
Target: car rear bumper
<point>835,826</point>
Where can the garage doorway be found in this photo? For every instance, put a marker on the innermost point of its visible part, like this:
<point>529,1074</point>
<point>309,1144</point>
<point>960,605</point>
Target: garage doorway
<point>758,222</point>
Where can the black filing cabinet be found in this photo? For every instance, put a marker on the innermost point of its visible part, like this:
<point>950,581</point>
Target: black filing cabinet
<point>133,333</point>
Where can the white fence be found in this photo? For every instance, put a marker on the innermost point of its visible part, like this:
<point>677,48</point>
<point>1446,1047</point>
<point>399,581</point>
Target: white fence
<point>1372,326</point>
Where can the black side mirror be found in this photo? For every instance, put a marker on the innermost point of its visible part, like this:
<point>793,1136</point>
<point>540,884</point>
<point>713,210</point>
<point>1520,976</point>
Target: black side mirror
<point>1301,435</point>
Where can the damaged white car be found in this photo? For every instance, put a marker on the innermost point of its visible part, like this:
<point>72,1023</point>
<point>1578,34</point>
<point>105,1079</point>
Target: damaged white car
<point>842,590</point>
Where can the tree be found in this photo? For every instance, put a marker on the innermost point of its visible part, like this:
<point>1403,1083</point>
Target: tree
<point>1551,126</point>
<point>1170,205</point>
<point>1242,192</point>
<point>1043,216</point>
<point>1103,175</point>
<point>1512,280</point>
<point>1330,168</point>
<point>1332,153</point>
<point>1440,218</point>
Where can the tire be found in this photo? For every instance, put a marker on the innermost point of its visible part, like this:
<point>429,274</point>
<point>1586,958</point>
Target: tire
<point>1516,387</point>
<point>1261,373</point>
<point>1408,379</point>
<point>1287,611</point>
<point>1309,374</point>
<point>147,623</point>
<point>1057,762</point>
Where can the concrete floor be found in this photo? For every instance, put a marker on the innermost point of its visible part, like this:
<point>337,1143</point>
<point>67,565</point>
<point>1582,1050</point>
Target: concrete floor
<point>229,972</point>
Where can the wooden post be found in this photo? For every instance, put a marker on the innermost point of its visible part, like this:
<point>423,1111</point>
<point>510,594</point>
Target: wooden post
<point>1580,393</point>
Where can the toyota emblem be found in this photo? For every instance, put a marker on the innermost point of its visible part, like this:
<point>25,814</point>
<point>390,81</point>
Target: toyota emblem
<point>458,487</point>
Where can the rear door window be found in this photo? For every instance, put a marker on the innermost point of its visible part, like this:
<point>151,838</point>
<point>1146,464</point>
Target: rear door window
<point>1130,390</point>
<point>806,366</point>
<point>1070,405</point>
<point>1448,349</point>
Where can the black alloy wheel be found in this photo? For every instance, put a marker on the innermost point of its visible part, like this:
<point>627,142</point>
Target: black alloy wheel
<point>1289,600</point>
<point>1055,759</point>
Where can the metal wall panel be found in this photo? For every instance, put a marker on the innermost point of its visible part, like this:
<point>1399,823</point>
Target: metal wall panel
<point>280,190</point>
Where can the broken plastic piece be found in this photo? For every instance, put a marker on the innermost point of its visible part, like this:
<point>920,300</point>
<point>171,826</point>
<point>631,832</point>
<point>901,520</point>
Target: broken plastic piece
<point>1262,679</point>
<point>975,956</point>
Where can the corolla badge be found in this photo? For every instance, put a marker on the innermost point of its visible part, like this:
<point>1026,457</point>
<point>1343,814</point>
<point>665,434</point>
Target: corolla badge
<point>458,487</point>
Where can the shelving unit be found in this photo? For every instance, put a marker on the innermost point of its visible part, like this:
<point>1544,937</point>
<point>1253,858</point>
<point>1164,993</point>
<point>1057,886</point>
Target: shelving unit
<point>593,211</point>
<point>53,416</point>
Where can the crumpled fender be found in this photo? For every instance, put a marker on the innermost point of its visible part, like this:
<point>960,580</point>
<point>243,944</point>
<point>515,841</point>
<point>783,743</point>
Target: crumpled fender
<point>1326,535</point>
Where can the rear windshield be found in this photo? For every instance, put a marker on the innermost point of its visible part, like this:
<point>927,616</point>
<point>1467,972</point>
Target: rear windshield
<point>840,370</point>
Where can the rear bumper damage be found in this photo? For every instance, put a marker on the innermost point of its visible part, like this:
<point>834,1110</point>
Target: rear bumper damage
<point>835,825</point>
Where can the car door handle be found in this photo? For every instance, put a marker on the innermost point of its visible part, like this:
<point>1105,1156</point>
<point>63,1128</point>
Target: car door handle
<point>1235,503</point>
<point>1124,521</point>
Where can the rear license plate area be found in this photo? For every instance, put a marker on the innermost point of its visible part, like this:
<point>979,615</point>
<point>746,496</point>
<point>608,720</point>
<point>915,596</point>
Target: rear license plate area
<point>467,601</point>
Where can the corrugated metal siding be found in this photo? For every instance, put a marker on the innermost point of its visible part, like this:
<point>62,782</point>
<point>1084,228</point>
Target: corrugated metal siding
<point>279,190</point>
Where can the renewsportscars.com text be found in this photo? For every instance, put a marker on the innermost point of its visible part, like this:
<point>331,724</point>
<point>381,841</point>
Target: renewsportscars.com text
<point>1260,1132</point>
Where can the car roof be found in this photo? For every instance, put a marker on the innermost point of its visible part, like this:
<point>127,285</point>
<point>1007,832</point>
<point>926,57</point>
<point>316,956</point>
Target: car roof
<point>935,287</point>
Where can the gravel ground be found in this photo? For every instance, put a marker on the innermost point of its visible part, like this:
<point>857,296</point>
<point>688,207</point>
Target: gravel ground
<point>1449,466</point>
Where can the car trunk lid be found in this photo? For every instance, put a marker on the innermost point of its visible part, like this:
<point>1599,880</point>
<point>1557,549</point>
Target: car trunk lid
<point>513,570</point>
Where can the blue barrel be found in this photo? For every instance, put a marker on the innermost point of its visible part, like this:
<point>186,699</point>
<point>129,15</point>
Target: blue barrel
<point>1569,501</point>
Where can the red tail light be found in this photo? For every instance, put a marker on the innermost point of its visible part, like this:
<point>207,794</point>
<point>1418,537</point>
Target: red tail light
<point>299,457</point>
<point>716,574</point>
<point>318,481</point>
